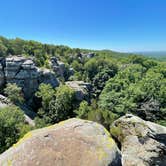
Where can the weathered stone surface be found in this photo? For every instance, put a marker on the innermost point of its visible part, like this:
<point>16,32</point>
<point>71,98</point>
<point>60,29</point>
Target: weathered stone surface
<point>81,88</point>
<point>87,55</point>
<point>2,74</point>
<point>48,77</point>
<point>73,142</point>
<point>58,67</point>
<point>4,101</point>
<point>143,143</point>
<point>23,72</point>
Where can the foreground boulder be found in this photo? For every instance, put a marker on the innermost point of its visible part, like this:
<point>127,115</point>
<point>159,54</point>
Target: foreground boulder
<point>73,142</point>
<point>143,143</point>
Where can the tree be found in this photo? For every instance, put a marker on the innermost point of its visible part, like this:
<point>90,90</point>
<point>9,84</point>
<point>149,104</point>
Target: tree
<point>46,92</point>
<point>104,117</point>
<point>86,111</point>
<point>3,49</point>
<point>115,96</point>
<point>14,93</point>
<point>57,104</point>
<point>98,70</point>
<point>11,122</point>
<point>83,110</point>
<point>62,107</point>
<point>136,90</point>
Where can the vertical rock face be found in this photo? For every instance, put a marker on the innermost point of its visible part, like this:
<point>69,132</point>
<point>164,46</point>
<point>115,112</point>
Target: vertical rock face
<point>58,67</point>
<point>73,142</point>
<point>2,74</point>
<point>143,143</point>
<point>23,72</point>
<point>48,77</point>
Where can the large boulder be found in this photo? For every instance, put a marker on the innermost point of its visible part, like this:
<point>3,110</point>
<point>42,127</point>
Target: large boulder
<point>143,143</point>
<point>73,142</point>
<point>81,88</point>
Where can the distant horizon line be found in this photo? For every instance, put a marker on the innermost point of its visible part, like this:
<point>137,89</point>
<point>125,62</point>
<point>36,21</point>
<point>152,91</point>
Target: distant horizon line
<point>93,49</point>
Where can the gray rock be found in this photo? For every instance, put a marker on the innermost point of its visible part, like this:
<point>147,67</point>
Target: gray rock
<point>2,77</point>
<point>143,143</point>
<point>58,67</point>
<point>87,55</point>
<point>4,101</point>
<point>48,77</point>
<point>24,73</point>
<point>73,142</point>
<point>81,88</point>
<point>2,74</point>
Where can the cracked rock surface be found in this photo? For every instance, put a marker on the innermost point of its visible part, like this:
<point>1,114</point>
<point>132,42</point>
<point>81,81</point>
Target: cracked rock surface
<point>143,143</point>
<point>73,142</point>
<point>23,72</point>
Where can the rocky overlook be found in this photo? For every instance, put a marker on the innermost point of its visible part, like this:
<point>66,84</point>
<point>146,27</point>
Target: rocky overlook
<point>42,85</point>
<point>80,142</point>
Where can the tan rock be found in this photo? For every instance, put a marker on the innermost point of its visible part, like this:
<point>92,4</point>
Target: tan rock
<point>73,142</point>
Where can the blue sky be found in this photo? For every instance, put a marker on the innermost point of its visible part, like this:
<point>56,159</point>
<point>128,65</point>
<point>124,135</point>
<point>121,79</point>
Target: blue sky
<point>121,25</point>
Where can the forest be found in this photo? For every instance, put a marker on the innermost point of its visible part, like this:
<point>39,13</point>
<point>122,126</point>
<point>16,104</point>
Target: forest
<point>121,83</point>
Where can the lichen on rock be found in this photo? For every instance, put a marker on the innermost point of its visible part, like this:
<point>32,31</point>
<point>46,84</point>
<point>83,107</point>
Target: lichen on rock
<point>72,142</point>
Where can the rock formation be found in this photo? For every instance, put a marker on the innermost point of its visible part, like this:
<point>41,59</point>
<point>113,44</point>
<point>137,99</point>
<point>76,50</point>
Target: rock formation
<point>143,143</point>
<point>73,142</point>
<point>87,55</point>
<point>58,67</point>
<point>81,88</point>
<point>23,72</point>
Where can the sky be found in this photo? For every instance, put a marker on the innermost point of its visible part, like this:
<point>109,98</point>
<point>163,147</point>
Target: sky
<point>119,25</point>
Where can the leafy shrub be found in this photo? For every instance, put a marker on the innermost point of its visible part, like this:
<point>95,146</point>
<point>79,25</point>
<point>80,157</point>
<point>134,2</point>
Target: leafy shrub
<point>57,104</point>
<point>14,93</point>
<point>11,126</point>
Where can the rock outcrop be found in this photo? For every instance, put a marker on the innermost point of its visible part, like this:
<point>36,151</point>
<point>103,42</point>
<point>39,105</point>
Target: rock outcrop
<point>73,142</point>
<point>87,55</point>
<point>143,143</point>
<point>58,67</point>
<point>81,88</point>
<point>23,72</point>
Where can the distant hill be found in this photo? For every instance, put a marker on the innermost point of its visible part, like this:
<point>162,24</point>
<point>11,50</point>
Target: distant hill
<point>154,54</point>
